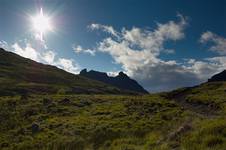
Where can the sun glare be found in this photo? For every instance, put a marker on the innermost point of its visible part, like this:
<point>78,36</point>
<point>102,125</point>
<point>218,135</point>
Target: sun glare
<point>41,24</point>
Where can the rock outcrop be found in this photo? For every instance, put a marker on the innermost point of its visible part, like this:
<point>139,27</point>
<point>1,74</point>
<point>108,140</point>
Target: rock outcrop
<point>121,81</point>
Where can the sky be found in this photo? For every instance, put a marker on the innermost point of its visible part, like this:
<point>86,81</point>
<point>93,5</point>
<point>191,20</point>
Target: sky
<point>162,44</point>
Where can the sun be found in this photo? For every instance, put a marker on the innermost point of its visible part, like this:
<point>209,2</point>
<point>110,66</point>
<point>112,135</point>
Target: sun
<point>41,24</point>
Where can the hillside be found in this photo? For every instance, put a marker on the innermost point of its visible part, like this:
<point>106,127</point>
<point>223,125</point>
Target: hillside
<point>121,81</point>
<point>20,75</point>
<point>188,118</point>
<point>218,77</point>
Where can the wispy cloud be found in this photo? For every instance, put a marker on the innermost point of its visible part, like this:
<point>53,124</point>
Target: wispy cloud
<point>80,49</point>
<point>4,44</point>
<point>218,43</point>
<point>68,65</point>
<point>27,51</point>
<point>105,28</point>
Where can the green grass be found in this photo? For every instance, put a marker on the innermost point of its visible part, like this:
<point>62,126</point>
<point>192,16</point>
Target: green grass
<point>87,122</point>
<point>209,134</point>
<point>210,94</point>
<point>105,122</point>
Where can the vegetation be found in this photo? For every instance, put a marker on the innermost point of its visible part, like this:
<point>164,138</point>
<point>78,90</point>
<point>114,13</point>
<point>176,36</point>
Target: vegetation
<point>56,117</point>
<point>20,75</point>
<point>112,122</point>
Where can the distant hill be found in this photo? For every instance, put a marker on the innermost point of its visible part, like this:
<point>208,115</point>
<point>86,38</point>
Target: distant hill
<point>22,75</point>
<point>218,77</point>
<point>122,81</point>
<point>206,98</point>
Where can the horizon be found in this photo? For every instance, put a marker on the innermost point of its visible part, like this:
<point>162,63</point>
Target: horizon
<point>162,45</point>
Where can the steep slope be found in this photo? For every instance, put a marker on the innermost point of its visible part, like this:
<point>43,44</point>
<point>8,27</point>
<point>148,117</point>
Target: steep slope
<point>121,81</point>
<point>21,75</point>
<point>218,77</point>
<point>206,99</point>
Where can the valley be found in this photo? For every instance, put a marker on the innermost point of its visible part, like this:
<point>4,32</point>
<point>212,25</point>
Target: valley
<point>45,108</point>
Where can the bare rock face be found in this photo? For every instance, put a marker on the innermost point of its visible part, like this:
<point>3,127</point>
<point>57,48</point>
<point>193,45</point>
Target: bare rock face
<point>121,81</point>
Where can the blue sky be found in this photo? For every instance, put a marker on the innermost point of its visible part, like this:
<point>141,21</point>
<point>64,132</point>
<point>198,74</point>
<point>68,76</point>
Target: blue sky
<point>162,44</point>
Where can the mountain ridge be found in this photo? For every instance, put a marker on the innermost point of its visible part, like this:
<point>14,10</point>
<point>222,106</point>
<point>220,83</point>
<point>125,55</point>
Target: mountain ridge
<point>23,75</point>
<point>218,77</point>
<point>169,120</point>
<point>122,81</point>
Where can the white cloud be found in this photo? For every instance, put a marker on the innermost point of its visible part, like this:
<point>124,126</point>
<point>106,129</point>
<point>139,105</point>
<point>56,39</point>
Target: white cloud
<point>218,42</point>
<point>42,55</point>
<point>113,73</point>
<point>164,76</point>
<point>27,52</point>
<point>203,69</point>
<point>167,75</point>
<point>80,49</point>
<point>137,48</point>
<point>4,44</point>
<point>105,28</point>
<point>138,51</point>
<point>68,65</point>
<point>49,57</point>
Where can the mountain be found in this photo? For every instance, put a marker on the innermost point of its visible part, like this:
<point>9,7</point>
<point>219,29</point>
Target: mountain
<point>205,98</point>
<point>121,81</point>
<point>218,77</point>
<point>188,118</point>
<point>185,119</point>
<point>22,75</point>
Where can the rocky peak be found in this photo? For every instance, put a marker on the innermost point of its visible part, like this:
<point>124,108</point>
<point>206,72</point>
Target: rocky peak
<point>121,81</point>
<point>122,74</point>
<point>83,71</point>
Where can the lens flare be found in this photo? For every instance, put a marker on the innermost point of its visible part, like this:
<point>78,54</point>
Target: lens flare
<point>41,24</point>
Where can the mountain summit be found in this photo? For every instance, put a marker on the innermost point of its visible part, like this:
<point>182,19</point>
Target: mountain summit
<point>218,77</point>
<point>121,81</point>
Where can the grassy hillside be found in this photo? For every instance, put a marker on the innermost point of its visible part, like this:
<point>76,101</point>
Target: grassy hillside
<point>188,119</point>
<point>205,98</point>
<point>21,75</point>
<point>45,112</point>
<point>208,103</point>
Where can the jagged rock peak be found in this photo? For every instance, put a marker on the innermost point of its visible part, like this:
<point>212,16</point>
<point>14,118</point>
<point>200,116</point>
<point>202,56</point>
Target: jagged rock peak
<point>121,81</point>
